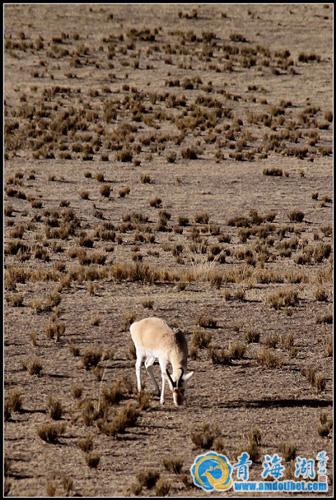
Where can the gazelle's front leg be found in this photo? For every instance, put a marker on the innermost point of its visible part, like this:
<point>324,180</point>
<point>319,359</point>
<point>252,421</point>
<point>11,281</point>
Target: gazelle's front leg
<point>163,366</point>
<point>162,399</point>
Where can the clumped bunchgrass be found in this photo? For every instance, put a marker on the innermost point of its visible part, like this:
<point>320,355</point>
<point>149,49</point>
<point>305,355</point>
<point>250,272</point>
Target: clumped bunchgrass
<point>269,359</point>
<point>317,380</point>
<point>33,366</point>
<point>129,318</point>
<point>145,179</point>
<point>105,190</point>
<point>296,215</point>
<point>173,464</point>
<point>171,157</point>
<point>14,400</point>
<point>283,298</point>
<point>95,320</point>
<point>252,336</point>
<point>219,445</point>
<point>92,459</point>
<point>200,339</point>
<point>7,411</point>
<point>100,177</point>
<point>328,115</point>
<point>50,489</point>
<point>67,483</point>
<point>204,436</point>
<point>253,450</point>
<point>124,191</point>
<point>320,294</point>
<point>190,153</point>
<point>136,488</point>
<point>148,478</point>
<point>16,299</point>
<point>226,294</point>
<point>156,202</point>
<point>50,432</point>
<point>326,425</point>
<point>273,171</point>
<point>54,408</point>
<point>89,411</point>
<point>85,444</point>
<point>77,391</point>
<point>219,355</point>
<point>329,347</point>
<point>84,195</point>
<point>143,399</point>
<point>91,357</point>
<point>255,436</point>
<point>116,391</point>
<point>124,155</point>
<point>162,487</point>
<point>202,218</point>
<point>53,299</point>
<point>272,340</point>
<point>74,350</point>
<point>147,303</point>
<point>127,416</point>
<point>252,446</point>
<point>55,330</point>
<point>288,450</point>
<point>206,321</point>
<point>237,350</point>
<point>240,294</point>
<point>326,318</point>
<point>288,343</point>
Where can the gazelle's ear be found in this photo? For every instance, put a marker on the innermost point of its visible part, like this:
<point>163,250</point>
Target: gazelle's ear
<point>188,376</point>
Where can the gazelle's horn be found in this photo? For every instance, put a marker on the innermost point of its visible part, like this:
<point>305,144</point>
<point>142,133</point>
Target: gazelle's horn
<point>170,379</point>
<point>180,377</point>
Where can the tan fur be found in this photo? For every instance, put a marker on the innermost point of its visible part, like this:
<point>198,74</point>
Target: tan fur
<point>154,339</point>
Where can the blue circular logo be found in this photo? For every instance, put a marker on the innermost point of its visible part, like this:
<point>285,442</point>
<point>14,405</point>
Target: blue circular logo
<point>212,472</point>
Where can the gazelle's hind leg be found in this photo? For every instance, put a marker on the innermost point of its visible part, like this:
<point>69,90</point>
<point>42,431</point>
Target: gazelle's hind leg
<point>149,367</point>
<point>138,363</point>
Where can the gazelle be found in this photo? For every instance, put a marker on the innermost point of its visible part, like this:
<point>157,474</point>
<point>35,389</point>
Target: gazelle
<point>154,339</point>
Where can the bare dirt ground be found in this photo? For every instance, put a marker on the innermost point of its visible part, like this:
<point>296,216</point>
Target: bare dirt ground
<point>170,161</point>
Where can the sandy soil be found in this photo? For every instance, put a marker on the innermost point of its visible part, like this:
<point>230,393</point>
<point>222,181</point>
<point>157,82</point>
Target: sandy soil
<point>227,109</point>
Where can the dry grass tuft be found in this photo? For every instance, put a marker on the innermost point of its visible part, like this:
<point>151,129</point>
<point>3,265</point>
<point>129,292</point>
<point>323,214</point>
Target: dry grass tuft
<point>148,478</point>
<point>91,357</point>
<point>288,450</point>
<point>283,298</point>
<point>92,460</point>
<point>173,464</point>
<point>219,355</point>
<point>269,359</point>
<point>50,432</point>
<point>162,487</point>
<point>205,436</point>
<point>54,408</point>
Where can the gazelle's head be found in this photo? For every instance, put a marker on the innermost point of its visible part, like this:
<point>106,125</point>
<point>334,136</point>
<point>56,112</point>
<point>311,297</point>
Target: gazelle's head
<point>178,386</point>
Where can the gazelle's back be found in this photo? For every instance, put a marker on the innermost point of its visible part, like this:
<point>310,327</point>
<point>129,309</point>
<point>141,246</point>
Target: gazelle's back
<point>154,336</point>
<point>154,339</point>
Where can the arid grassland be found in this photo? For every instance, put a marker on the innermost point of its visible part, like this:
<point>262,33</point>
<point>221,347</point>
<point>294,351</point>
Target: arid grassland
<point>171,161</point>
